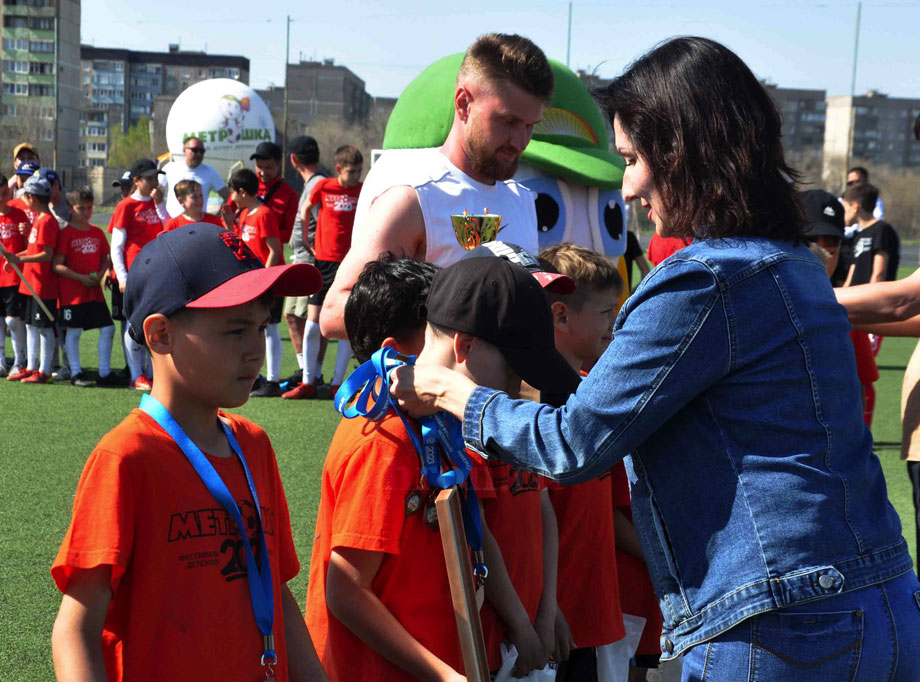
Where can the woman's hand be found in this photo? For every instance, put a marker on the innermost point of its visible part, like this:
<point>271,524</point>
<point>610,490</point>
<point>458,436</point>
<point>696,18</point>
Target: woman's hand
<point>425,389</point>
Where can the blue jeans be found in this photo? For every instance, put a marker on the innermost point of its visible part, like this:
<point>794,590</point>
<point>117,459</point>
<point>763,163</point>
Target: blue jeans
<point>868,635</point>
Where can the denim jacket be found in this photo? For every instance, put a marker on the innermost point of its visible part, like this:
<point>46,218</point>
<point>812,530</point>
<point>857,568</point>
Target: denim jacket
<point>731,381</point>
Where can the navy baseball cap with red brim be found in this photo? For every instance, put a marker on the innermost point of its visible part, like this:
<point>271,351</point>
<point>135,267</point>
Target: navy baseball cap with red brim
<point>205,266</point>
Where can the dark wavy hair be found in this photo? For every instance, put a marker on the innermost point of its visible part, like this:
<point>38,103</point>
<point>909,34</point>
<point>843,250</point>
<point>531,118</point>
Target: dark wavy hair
<point>388,299</point>
<point>710,135</point>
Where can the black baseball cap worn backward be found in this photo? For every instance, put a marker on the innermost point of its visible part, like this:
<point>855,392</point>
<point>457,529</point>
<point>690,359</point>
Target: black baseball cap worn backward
<point>205,266</point>
<point>501,302</point>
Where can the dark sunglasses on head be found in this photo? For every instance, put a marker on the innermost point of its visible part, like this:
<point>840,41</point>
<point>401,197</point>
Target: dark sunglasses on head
<point>196,150</point>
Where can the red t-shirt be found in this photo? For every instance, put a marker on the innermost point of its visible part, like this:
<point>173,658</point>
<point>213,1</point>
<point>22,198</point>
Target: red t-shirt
<point>587,590</point>
<point>283,203</point>
<point>180,606</point>
<point>21,205</point>
<point>371,470</point>
<point>660,248</point>
<point>182,220</point>
<point>44,232</point>
<point>336,218</point>
<point>513,513</point>
<point>84,252</point>
<point>141,223</point>
<point>12,241</point>
<point>256,227</point>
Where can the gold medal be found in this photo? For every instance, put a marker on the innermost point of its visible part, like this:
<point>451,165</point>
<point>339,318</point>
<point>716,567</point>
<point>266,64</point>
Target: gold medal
<point>473,230</point>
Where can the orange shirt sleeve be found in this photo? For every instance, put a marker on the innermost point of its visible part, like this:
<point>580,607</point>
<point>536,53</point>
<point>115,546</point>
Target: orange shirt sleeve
<point>269,224</point>
<point>101,530</point>
<point>370,505</point>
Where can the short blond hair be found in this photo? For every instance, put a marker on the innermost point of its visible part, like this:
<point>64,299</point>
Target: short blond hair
<point>500,57</point>
<point>591,271</point>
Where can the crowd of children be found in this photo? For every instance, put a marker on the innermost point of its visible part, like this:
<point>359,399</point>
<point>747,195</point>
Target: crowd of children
<point>55,262</point>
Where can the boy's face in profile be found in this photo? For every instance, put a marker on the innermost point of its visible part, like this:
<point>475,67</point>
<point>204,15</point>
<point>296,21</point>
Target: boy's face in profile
<point>35,204</point>
<point>217,352</point>
<point>267,170</point>
<point>348,176</point>
<point>483,363</point>
<point>592,325</point>
<point>193,203</point>
<point>84,209</point>
<point>146,185</point>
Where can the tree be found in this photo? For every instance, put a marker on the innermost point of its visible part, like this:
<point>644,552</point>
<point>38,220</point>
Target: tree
<point>128,147</point>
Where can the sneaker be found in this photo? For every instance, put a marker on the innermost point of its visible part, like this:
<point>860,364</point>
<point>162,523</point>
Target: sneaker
<point>142,383</point>
<point>18,373</point>
<point>80,380</point>
<point>294,380</point>
<point>269,389</point>
<point>62,372</point>
<point>111,379</point>
<point>300,392</point>
<point>3,371</point>
<point>37,378</point>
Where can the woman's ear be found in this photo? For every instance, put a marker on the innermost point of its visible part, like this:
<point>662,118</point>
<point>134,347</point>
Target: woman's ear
<point>158,332</point>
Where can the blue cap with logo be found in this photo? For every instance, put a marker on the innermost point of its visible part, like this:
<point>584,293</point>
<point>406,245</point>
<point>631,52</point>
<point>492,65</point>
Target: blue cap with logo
<point>27,168</point>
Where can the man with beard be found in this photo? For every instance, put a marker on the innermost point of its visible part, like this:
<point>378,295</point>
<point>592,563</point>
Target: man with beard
<point>428,203</point>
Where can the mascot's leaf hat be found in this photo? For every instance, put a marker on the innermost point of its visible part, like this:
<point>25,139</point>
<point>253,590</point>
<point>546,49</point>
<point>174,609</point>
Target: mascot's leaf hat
<point>570,142</point>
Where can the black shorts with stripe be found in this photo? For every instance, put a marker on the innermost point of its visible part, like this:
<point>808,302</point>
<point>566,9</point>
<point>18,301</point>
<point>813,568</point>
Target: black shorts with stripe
<point>92,315</point>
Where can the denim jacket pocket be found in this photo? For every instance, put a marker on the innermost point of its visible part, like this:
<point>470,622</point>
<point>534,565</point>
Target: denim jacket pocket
<point>821,646</point>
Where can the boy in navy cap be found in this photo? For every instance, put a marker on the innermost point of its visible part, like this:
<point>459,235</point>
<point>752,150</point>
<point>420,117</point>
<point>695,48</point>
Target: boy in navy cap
<point>180,546</point>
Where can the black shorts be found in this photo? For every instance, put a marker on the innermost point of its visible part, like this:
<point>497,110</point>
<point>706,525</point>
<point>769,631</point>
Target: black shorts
<point>92,315</point>
<point>327,268</point>
<point>274,317</point>
<point>36,317</point>
<point>118,302</point>
<point>12,303</point>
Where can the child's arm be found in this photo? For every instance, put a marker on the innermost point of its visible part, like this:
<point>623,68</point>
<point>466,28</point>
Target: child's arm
<point>274,251</point>
<point>504,599</point>
<point>118,257</point>
<point>626,537</point>
<point>879,266</point>
<point>76,640</point>
<point>47,253</point>
<point>303,664</point>
<point>351,600</point>
<point>305,221</point>
<point>58,266</point>
<point>545,622</point>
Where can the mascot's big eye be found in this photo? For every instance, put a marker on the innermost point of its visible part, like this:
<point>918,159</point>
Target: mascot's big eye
<point>551,209</point>
<point>610,218</point>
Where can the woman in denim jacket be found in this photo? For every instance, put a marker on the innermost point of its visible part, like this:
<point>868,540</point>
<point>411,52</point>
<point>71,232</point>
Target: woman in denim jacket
<point>731,383</point>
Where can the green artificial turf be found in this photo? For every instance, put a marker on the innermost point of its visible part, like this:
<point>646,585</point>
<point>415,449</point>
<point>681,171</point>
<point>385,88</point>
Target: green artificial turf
<point>46,433</point>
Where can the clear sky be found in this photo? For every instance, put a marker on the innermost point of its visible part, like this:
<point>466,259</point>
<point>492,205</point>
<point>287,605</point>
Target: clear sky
<point>794,43</point>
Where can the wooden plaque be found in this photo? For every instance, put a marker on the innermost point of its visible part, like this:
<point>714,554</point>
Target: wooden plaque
<point>462,587</point>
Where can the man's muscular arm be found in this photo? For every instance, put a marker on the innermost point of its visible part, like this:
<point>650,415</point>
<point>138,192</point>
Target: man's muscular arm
<point>393,223</point>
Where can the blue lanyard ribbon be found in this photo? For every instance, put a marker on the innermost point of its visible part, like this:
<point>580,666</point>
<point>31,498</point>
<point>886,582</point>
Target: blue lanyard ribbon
<point>358,396</point>
<point>260,579</point>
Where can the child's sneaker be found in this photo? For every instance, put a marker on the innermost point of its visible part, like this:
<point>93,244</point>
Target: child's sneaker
<point>142,383</point>
<point>300,392</point>
<point>269,389</point>
<point>111,379</point>
<point>18,373</point>
<point>81,381</point>
<point>37,378</point>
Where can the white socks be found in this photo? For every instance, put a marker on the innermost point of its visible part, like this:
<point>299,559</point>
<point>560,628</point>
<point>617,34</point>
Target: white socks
<point>17,327</point>
<point>299,357</point>
<point>311,342</point>
<point>273,352</point>
<point>106,338</point>
<point>72,346</point>
<point>134,355</point>
<point>341,362</point>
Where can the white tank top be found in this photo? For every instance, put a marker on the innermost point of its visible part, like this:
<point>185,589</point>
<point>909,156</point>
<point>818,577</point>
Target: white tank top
<point>444,190</point>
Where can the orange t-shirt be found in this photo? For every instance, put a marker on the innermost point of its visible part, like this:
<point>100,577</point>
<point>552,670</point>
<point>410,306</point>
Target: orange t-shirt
<point>183,220</point>
<point>283,203</point>
<point>371,470</point>
<point>84,252</point>
<point>515,518</point>
<point>181,606</point>
<point>12,241</point>
<point>141,223</point>
<point>587,589</point>
<point>44,233</point>
<point>255,227</point>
